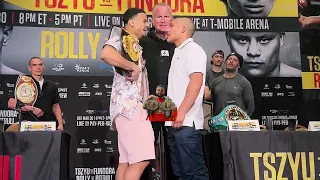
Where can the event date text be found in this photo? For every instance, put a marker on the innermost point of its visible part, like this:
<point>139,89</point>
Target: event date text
<point>61,4</point>
<point>185,6</point>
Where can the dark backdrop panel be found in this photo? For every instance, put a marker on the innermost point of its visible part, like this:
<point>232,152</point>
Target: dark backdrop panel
<point>310,43</point>
<point>279,98</point>
<point>85,107</point>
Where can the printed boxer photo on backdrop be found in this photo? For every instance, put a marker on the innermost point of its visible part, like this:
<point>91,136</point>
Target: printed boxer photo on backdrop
<point>5,35</point>
<point>247,8</point>
<point>261,54</point>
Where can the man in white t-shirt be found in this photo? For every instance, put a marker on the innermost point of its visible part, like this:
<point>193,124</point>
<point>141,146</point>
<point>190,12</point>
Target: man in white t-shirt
<point>186,88</point>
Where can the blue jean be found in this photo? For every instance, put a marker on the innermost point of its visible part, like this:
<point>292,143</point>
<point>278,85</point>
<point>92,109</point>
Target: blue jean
<point>186,153</point>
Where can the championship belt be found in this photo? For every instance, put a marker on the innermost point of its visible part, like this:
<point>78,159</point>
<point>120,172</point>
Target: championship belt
<point>129,48</point>
<point>26,90</point>
<point>229,113</point>
<point>160,111</point>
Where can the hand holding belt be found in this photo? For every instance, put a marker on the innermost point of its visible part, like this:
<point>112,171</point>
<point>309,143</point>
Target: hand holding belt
<point>160,111</point>
<point>26,90</point>
<point>129,50</point>
<point>151,104</point>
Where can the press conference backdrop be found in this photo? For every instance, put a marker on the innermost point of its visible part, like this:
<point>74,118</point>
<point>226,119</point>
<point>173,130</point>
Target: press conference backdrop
<point>68,35</point>
<point>310,58</point>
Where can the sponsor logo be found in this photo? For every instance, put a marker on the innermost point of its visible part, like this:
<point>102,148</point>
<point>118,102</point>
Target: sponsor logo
<point>273,111</point>
<point>84,94</point>
<point>164,53</point>
<point>10,85</point>
<point>109,149</point>
<point>82,69</point>
<point>280,94</point>
<point>89,111</point>
<point>291,94</point>
<point>279,111</point>
<point>284,111</point>
<point>97,150</point>
<point>98,94</point>
<point>95,141</point>
<point>83,150</point>
<point>84,86</point>
<point>266,94</point>
<point>107,142</point>
<point>96,86</point>
<point>58,67</point>
<point>288,87</point>
<point>83,142</point>
<point>107,86</point>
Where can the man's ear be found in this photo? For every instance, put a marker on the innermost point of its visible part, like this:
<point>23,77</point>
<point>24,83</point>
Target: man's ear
<point>282,37</point>
<point>131,23</point>
<point>184,29</point>
<point>7,34</point>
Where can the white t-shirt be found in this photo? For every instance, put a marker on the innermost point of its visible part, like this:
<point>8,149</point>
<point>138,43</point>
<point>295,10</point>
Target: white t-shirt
<point>188,58</point>
<point>41,83</point>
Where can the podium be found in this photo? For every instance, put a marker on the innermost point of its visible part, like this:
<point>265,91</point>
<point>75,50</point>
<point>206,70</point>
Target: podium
<point>34,155</point>
<point>233,155</point>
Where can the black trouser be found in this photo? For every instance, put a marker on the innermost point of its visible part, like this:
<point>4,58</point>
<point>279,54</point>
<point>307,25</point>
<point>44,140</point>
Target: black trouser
<point>157,127</point>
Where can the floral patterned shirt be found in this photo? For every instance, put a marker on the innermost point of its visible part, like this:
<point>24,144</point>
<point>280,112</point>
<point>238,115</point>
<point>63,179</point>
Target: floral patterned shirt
<point>126,95</point>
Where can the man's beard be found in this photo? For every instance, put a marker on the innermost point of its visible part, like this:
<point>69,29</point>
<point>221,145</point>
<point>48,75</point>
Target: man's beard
<point>159,95</point>
<point>229,70</point>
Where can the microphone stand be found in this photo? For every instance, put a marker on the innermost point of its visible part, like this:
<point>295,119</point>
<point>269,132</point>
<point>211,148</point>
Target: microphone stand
<point>21,105</point>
